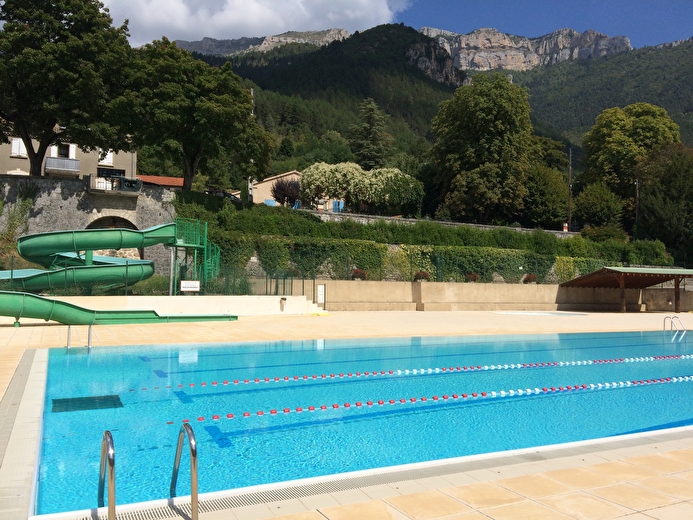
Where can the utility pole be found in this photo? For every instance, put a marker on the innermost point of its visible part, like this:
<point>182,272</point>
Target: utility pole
<point>570,188</point>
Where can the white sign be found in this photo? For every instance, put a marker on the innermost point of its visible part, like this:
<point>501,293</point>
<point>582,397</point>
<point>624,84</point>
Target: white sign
<point>321,293</point>
<point>190,285</point>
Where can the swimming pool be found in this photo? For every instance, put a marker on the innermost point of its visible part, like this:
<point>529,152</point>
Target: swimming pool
<point>277,411</point>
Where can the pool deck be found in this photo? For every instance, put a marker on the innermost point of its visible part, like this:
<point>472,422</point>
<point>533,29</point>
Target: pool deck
<point>640,477</point>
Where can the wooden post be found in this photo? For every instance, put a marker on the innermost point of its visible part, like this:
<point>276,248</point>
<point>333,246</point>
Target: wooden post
<point>677,294</point>
<point>622,287</point>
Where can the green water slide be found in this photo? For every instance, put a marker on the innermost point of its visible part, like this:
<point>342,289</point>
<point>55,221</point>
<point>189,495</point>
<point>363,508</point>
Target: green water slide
<point>68,256</point>
<point>23,305</point>
<point>69,260</point>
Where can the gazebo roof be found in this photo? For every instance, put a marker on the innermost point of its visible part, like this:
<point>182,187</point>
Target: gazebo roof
<point>633,277</point>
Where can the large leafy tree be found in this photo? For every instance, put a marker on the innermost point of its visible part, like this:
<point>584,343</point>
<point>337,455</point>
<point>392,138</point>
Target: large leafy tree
<point>619,139</point>
<point>193,111</point>
<point>59,70</point>
<point>666,200</point>
<point>481,149</point>
<point>369,141</point>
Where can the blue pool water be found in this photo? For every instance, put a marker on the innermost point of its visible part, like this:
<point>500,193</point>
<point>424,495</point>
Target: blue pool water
<point>278,411</point>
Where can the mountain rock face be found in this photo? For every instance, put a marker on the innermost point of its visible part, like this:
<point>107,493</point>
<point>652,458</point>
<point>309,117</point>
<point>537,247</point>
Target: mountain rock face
<point>436,63</point>
<point>488,49</point>
<point>228,47</point>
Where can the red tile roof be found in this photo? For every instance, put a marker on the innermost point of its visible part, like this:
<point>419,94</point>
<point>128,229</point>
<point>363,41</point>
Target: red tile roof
<point>161,180</point>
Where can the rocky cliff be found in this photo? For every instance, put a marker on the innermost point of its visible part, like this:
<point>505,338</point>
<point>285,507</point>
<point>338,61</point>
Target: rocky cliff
<point>228,47</point>
<point>488,49</point>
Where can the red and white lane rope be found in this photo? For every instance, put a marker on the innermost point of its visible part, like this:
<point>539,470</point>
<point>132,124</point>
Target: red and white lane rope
<point>448,398</point>
<point>416,371</point>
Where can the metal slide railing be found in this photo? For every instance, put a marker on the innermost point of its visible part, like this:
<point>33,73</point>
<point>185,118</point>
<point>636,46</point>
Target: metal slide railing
<point>107,460</point>
<point>187,429</point>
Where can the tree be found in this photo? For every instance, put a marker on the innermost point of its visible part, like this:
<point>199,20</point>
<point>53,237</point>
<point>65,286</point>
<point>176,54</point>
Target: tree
<point>666,200</point>
<point>618,140</point>
<point>481,149</point>
<point>382,191</point>
<point>194,111</point>
<point>59,72</point>
<point>546,204</point>
<point>598,206</point>
<point>369,141</point>
<point>286,192</point>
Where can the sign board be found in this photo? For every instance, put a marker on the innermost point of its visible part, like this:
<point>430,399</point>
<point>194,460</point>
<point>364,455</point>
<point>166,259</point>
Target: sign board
<point>190,285</point>
<point>321,293</point>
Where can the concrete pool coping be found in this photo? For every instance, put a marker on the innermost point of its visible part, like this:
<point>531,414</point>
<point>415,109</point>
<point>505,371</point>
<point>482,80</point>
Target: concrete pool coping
<point>18,347</point>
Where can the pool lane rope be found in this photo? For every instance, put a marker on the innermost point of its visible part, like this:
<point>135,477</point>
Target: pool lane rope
<point>419,371</point>
<point>473,396</point>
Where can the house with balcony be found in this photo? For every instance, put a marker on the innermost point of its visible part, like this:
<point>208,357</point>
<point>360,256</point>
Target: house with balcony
<point>104,172</point>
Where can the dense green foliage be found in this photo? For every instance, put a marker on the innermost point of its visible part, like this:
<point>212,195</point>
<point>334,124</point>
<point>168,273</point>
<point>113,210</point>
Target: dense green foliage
<point>569,96</point>
<point>191,111</point>
<point>57,63</point>
<point>231,228</point>
<point>483,136</point>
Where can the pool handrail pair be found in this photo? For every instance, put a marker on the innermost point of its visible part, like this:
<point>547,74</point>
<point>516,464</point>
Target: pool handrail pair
<point>675,323</point>
<point>108,461</point>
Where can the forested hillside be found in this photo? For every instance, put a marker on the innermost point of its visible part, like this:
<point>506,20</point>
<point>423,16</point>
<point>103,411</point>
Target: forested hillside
<point>304,87</point>
<point>569,96</point>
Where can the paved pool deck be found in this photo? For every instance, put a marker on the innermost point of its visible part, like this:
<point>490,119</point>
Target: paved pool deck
<point>638,477</point>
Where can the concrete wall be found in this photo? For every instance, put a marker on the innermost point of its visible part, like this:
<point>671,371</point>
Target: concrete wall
<point>361,295</point>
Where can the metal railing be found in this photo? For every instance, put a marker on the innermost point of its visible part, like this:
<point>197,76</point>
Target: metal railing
<point>107,460</point>
<point>62,165</point>
<point>187,429</point>
<point>675,324</point>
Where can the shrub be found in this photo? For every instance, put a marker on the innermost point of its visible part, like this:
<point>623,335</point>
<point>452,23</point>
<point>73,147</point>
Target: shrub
<point>472,277</point>
<point>530,278</point>
<point>358,274</point>
<point>421,276</point>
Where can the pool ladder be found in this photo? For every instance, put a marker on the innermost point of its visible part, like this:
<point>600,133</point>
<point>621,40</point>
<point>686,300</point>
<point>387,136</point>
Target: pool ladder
<point>107,470</point>
<point>675,324</point>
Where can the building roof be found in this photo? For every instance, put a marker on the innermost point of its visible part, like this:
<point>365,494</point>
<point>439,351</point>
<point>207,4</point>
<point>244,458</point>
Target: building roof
<point>161,180</point>
<point>633,277</point>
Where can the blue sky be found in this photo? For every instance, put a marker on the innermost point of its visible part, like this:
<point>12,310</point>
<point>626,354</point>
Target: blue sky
<point>645,22</point>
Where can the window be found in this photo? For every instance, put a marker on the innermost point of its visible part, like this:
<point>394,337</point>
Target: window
<point>106,158</point>
<point>18,148</point>
<point>66,151</point>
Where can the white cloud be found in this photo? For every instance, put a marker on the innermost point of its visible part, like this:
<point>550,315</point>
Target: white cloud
<point>228,19</point>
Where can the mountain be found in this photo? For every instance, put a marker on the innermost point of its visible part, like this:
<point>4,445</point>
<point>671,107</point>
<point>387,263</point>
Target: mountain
<point>230,47</point>
<point>569,96</point>
<point>488,49</point>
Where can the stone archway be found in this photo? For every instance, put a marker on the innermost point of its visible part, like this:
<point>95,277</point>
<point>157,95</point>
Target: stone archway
<point>115,222</point>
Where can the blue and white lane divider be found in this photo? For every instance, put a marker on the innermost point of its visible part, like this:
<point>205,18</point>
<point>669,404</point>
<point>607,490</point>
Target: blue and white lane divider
<point>420,371</point>
<point>450,397</point>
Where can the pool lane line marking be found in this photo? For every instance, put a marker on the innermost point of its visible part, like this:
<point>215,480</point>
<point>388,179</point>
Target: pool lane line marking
<point>424,371</point>
<point>438,399</point>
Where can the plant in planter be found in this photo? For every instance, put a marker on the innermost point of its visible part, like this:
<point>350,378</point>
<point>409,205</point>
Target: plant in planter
<point>358,274</point>
<point>421,276</point>
<point>530,278</point>
<point>472,277</point>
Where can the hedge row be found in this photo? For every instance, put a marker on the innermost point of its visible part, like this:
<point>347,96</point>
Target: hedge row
<point>347,259</point>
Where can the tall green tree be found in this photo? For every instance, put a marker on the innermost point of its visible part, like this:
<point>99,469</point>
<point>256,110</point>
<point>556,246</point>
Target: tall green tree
<point>481,149</point>
<point>194,111</point>
<point>618,140</point>
<point>59,63</point>
<point>666,199</point>
<point>369,141</point>
<point>598,206</point>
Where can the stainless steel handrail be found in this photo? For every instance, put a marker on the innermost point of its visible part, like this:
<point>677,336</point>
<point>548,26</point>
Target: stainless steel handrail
<point>187,429</point>
<point>107,458</point>
<point>673,320</point>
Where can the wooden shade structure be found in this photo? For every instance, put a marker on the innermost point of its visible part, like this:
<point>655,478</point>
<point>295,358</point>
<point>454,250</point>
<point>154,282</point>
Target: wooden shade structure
<point>623,278</point>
